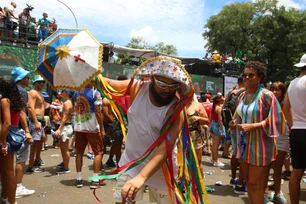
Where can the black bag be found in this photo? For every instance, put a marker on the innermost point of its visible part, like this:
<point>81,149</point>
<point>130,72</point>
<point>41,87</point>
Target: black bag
<point>229,107</point>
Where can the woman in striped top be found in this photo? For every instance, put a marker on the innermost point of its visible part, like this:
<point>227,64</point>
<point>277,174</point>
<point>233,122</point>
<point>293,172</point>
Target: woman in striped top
<point>259,120</point>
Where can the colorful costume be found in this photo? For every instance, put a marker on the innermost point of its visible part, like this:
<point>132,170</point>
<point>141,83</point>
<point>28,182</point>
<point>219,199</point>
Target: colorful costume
<point>258,147</point>
<point>189,174</point>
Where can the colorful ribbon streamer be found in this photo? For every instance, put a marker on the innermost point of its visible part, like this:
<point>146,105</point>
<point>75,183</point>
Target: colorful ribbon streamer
<point>191,187</point>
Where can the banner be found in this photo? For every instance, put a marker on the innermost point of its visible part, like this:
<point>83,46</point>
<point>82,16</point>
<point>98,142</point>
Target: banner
<point>229,82</point>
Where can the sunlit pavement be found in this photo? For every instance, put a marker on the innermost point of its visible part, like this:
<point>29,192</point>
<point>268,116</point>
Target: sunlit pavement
<point>53,188</point>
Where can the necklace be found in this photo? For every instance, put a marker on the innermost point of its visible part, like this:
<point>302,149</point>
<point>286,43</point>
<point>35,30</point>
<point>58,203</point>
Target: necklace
<point>248,106</point>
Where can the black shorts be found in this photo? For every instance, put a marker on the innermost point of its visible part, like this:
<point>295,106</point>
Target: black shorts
<point>11,25</point>
<point>298,148</point>
<point>109,130</point>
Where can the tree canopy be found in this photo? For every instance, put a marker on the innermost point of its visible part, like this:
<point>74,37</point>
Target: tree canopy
<point>262,30</point>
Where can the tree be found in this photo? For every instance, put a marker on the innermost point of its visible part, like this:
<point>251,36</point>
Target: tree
<point>263,31</point>
<point>230,29</point>
<point>166,49</point>
<point>275,38</point>
<point>140,43</point>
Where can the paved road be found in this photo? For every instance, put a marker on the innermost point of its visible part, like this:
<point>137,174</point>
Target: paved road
<point>53,188</point>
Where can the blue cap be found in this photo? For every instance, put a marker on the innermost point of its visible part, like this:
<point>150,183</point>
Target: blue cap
<point>70,93</point>
<point>38,78</point>
<point>19,73</point>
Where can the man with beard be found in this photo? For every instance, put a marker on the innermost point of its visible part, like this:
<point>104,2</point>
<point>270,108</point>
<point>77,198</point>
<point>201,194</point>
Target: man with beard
<point>152,102</point>
<point>21,78</point>
<point>36,107</point>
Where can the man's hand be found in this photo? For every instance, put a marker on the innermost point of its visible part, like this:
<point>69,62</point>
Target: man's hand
<point>102,134</point>
<point>194,119</point>
<point>37,126</point>
<point>28,138</point>
<point>232,125</point>
<point>131,187</point>
<point>57,132</point>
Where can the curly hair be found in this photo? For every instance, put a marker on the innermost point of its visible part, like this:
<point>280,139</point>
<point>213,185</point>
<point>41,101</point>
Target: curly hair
<point>9,90</point>
<point>259,67</point>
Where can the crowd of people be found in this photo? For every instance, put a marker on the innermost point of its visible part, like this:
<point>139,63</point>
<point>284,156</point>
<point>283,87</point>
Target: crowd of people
<point>24,28</point>
<point>228,63</point>
<point>266,129</point>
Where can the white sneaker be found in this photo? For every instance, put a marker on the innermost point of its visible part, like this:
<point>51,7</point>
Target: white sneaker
<point>218,164</point>
<point>23,191</point>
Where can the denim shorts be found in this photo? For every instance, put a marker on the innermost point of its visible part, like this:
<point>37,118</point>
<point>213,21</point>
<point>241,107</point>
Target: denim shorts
<point>215,128</point>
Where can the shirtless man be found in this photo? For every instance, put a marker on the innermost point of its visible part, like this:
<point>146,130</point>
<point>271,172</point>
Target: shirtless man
<point>36,106</point>
<point>109,118</point>
<point>115,142</point>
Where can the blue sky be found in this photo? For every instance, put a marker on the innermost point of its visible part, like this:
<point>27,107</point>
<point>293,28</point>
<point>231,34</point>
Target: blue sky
<point>177,22</point>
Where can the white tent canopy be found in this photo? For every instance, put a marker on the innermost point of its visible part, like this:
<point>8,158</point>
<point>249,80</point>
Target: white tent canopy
<point>148,53</point>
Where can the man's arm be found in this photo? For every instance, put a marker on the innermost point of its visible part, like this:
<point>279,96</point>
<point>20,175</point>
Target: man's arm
<point>121,85</point>
<point>287,110</point>
<point>118,85</point>
<point>31,108</point>
<point>21,14</point>
<point>66,114</point>
<point>159,157</point>
<point>98,113</point>
<point>39,22</point>
<point>12,14</point>
<point>25,127</point>
<point>99,116</point>
<point>105,110</point>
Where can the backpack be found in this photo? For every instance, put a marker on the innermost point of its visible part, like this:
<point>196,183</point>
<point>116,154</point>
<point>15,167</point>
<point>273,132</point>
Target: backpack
<point>229,107</point>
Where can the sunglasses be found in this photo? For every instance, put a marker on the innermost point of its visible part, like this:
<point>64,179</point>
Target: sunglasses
<point>251,75</point>
<point>163,85</point>
<point>41,82</point>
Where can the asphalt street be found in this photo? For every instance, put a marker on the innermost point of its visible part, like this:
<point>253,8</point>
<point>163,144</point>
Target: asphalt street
<point>53,188</point>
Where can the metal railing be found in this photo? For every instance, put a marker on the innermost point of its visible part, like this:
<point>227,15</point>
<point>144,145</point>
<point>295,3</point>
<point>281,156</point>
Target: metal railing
<point>21,36</point>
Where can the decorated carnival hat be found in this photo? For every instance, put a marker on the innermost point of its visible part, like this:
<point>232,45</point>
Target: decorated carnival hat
<point>19,73</point>
<point>38,78</point>
<point>167,67</point>
<point>215,52</point>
